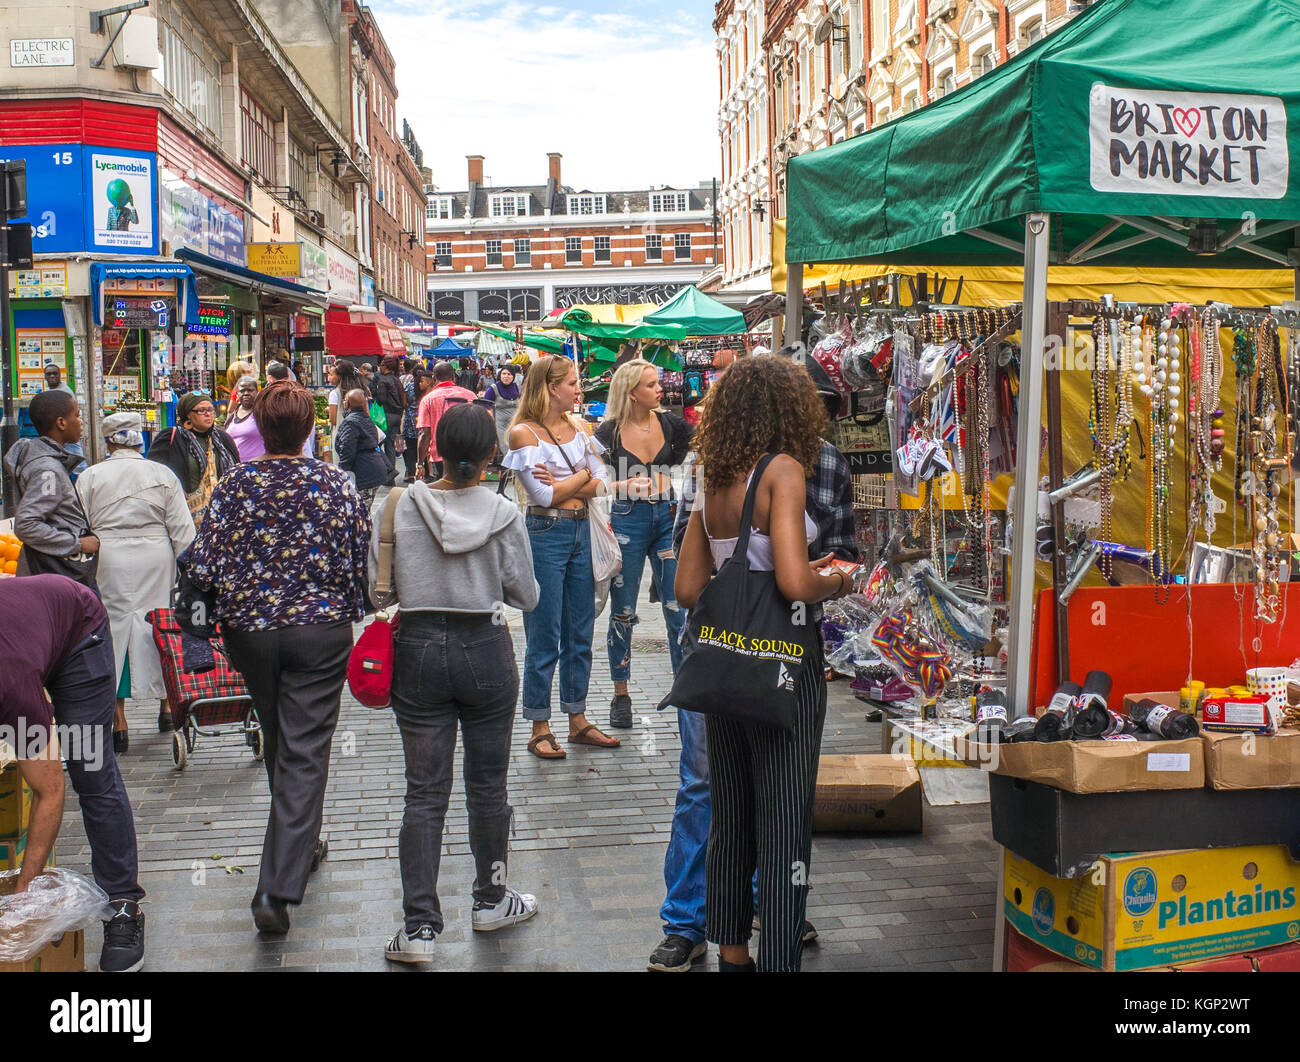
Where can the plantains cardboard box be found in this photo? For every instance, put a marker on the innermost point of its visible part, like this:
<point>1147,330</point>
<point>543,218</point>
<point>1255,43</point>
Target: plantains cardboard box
<point>1252,761</point>
<point>1098,766</point>
<point>876,793</point>
<point>1149,910</point>
<point>15,803</point>
<point>67,954</point>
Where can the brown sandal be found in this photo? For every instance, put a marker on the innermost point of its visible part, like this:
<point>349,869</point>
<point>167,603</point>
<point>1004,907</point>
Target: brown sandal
<point>558,754</point>
<point>580,738</point>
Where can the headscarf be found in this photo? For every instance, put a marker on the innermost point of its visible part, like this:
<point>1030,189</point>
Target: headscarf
<point>185,406</point>
<point>124,429</point>
<point>509,391</point>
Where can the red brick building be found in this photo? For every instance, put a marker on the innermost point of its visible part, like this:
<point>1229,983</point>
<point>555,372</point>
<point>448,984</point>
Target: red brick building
<point>506,254</point>
<point>389,230</point>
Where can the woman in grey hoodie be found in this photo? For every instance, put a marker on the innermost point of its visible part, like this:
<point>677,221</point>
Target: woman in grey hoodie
<point>460,555</point>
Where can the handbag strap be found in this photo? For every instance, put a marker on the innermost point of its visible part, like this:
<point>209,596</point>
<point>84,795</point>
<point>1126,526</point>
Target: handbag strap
<point>560,448</point>
<point>387,538</point>
<point>747,513</point>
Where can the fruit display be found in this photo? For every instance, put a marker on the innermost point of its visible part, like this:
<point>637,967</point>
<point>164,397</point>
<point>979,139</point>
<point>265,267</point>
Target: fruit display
<point>9,549</point>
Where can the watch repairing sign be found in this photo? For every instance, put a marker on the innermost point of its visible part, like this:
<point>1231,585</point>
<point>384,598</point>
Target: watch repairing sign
<point>1213,144</point>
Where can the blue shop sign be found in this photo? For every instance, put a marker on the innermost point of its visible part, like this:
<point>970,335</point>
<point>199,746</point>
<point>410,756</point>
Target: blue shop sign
<point>54,182</point>
<point>225,234</point>
<point>367,290</point>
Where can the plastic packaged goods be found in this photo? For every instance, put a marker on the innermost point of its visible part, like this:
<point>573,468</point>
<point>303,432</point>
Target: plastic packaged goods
<point>1166,722</point>
<point>56,902</point>
<point>1058,717</point>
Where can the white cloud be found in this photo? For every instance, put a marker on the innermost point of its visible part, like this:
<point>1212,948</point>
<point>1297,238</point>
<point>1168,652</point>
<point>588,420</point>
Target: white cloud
<point>629,99</point>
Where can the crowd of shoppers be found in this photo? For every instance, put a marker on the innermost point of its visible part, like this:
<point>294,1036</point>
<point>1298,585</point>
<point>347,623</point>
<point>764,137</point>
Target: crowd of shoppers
<point>285,545</point>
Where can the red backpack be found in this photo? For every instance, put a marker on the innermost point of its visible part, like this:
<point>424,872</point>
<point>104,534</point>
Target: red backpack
<point>370,667</point>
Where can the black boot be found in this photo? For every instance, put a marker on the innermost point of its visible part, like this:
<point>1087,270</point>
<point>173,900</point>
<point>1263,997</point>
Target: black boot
<point>121,741</point>
<point>735,967</point>
<point>270,914</point>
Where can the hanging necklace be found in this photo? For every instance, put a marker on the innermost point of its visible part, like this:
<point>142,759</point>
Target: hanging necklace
<point>1269,431</point>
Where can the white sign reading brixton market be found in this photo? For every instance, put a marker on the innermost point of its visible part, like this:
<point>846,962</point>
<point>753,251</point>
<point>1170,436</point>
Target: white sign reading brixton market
<point>1188,143</point>
<point>41,51</point>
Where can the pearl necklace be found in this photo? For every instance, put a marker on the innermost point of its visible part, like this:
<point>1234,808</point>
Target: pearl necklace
<point>1162,389</point>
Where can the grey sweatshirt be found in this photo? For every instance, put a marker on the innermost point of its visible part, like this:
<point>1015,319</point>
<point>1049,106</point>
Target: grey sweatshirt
<point>49,516</point>
<point>457,551</point>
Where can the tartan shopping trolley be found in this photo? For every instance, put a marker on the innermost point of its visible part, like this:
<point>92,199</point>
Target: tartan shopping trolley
<point>204,698</point>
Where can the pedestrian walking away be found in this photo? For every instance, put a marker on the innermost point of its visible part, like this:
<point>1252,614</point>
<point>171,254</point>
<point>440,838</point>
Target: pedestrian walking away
<point>445,390</point>
<point>761,779</point>
<point>55,639</point>
<point>455,665</point>
<point>137,510</point>
<point>559,468</point>
<point>357,449</point>
<point>643,444</point>
<point>390,394</point>
<point>300,525</point>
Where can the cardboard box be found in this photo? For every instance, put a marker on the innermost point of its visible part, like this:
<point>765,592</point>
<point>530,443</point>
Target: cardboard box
<point>1098,766</point>
<point>877,793</point>
<point>67,954</point>
<point>929,742</point>
<point>1169,698</point>
<point>15,803</point>
<point>1158,909</point>
<point>1022,955</point>
<point>1252,761</point>
<point>1066,833</point>
<point>1283,959</point>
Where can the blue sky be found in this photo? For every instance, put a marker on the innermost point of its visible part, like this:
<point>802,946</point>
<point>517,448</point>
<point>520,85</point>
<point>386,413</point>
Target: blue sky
<point>627,92</point>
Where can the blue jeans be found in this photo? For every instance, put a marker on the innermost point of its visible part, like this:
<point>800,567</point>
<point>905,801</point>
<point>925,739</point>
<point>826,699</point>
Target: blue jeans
<point>683,909</point>
<point>559,629</point>
<point>643,529</point>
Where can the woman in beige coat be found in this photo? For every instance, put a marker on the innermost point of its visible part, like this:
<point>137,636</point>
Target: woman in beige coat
<point>138,510</point>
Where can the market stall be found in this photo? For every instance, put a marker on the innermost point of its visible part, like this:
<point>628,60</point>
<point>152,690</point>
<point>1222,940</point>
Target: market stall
<point>1095,147</point>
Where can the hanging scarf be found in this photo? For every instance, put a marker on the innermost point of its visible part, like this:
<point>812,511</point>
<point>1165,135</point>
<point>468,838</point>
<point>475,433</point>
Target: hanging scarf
<point>199,500</point>
<point>199,450</point>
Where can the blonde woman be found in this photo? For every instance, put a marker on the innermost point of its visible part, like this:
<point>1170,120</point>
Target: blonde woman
<point>643,443</point>
<point>559,467</point>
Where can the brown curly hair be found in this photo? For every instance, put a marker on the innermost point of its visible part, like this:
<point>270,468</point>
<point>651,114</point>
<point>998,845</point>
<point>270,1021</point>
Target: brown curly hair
<point>760,405</point>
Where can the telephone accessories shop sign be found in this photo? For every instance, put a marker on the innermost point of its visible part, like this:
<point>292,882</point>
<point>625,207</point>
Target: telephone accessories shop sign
<point>43,51</point>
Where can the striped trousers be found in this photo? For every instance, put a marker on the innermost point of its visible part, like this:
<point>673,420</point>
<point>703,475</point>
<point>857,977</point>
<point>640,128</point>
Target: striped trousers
<point>762,784</point>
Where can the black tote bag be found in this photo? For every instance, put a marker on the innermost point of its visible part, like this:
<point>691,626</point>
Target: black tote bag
<point>749,652</point>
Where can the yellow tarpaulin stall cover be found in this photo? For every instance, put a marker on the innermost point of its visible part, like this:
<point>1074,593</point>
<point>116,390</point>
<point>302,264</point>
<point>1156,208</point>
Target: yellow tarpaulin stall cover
<point>999,285</point>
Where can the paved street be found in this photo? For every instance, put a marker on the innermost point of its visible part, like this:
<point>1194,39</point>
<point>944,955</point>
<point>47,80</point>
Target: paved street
<point>590,837</point>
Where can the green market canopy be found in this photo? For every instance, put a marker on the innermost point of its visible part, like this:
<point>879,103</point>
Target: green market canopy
<point>544,343</point>
<point>700,314</point>
<point>579,321</point>
<point>1142,127</point>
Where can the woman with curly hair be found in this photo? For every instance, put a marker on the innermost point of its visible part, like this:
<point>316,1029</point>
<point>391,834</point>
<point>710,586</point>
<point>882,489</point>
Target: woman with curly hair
<point>761,779</point>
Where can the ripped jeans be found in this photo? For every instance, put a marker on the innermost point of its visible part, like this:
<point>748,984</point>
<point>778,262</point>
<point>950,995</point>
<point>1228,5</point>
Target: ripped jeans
<point>643,529</point>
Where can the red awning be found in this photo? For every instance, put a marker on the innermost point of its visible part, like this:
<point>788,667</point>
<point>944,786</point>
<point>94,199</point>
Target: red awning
<point>362,332</point>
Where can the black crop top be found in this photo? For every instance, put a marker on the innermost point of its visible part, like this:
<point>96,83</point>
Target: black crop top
<point>677,443</point>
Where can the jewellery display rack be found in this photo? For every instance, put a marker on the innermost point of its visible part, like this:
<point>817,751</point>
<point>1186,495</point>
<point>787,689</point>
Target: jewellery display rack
<point>1068,316</point>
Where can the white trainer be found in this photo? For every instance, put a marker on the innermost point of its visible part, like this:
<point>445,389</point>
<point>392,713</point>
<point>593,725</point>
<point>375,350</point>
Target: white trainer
<point>403,947</point>
<point>514,907</point>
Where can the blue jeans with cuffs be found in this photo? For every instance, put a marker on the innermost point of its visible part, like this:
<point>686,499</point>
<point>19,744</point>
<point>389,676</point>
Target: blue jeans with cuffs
<point>643,529</point>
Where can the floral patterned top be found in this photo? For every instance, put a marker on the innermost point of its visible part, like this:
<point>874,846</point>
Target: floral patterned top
<point>284,544</point>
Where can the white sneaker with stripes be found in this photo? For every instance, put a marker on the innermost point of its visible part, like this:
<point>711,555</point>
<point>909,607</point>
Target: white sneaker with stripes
<point>514,907</point>
<point>408,947</point>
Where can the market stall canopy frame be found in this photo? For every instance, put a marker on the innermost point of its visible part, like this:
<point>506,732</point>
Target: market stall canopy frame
<point>700,314</point>
<point>1156,131</point>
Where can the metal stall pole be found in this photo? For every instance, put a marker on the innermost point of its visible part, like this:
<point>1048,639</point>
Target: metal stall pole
<point>793,304</point>
<point>1029,425</point>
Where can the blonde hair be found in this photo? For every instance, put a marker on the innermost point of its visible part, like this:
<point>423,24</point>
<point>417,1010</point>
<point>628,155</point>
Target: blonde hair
<point>535,398</point>
<point>626,379</point>
<point>238,369</point>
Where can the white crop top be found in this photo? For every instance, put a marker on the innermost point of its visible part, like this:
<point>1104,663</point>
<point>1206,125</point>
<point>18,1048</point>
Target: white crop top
<point>760,545</point>
<point>582,450</point>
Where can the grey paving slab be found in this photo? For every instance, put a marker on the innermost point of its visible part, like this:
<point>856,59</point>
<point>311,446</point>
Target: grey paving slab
<point>589,841</point>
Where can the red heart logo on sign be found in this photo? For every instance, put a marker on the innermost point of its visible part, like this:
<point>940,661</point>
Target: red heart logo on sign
<point>1188,120</point>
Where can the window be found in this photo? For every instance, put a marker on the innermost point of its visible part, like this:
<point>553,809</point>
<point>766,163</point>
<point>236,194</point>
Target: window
<point>586,204</point>
<point>523,252</point>
<point>682,247</point>
<point>984,61</point>
<point>259,137</point>
<point>493,248</point>
<point>654,247</point>
<point>509,206</point>
<point>298,164</point>
<point>438,208</point>
<point>1032,31</point>
<point>360,126</point>
<point>946,84</point>
<point>602,250</point>
<point>911,103</point>
<point>668,202</point>
<point>191,72</point>
<point>442,254</point>
<point>879,29</point>
<point>572,250</point>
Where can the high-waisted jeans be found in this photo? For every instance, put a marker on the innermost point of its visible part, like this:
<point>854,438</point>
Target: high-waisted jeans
<point>453,668</point>
<point>643,529</point>
<point>559,629</point>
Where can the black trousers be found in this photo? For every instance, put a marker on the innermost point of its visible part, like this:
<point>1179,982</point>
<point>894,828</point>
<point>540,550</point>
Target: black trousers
<point>83,689</point>
<point>295,676</point>
<point>762,783</point>
<point>409,455</point>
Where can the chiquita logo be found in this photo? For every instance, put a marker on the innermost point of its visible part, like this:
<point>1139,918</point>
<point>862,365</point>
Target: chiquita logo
<point>1044,911</point>
<point>1139,890</point>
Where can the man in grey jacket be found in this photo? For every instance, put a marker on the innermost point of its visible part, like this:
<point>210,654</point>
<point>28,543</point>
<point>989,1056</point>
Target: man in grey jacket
<point>49,517</point>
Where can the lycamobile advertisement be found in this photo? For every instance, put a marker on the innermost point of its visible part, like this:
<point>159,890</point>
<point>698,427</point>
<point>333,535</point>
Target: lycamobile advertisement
<point>122,203</point>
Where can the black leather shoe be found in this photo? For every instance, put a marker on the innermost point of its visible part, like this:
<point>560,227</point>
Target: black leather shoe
<point>318,856</point>
<point>270,914</point>
<point>166,724</point>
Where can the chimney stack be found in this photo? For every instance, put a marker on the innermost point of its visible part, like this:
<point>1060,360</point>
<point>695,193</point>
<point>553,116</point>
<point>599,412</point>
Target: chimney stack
<point>475,169</point>
<point>553,158</point>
